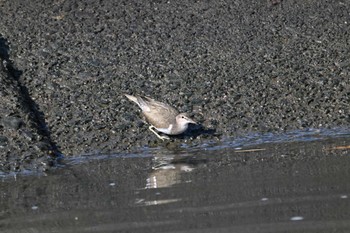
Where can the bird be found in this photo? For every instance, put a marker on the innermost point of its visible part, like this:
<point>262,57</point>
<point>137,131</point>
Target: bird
<point>162,117</point>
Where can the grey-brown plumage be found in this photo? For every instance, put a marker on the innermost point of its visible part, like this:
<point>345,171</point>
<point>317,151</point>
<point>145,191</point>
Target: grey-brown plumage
<point>161,116</point>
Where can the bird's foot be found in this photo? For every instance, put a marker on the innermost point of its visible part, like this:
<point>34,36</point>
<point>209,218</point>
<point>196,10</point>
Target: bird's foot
<point>162,137</point>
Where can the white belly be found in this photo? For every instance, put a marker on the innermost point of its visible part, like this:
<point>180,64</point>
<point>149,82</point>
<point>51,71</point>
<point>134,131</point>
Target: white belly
<point>165,130</point>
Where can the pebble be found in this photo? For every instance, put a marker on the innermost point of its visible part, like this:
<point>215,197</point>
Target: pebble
<point>3,141</point>
<point>12,122</point>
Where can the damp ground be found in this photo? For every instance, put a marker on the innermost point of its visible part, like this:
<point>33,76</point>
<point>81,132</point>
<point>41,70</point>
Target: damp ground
<point>236,67</point>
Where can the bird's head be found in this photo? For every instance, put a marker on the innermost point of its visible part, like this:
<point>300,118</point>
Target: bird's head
<point>183,119</point>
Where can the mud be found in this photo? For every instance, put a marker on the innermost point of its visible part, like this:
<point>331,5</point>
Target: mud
<point>237,67</point>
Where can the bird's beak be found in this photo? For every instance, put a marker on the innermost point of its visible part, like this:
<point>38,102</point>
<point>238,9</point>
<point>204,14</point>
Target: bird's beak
<point>192,121</point>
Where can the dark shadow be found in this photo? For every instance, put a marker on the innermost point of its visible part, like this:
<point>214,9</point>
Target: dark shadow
<point>37,117</point>
<point>4,49</point>
<point>195,131</point>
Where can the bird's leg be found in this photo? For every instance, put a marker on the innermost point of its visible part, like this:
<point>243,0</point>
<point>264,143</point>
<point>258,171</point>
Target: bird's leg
<point>160,137</point>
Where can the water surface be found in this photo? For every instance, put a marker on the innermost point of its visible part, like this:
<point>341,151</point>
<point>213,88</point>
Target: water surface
<point>295,182</point>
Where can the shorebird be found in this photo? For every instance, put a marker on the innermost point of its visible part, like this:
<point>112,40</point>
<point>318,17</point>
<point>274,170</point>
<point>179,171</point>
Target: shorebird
<point>162,117</point>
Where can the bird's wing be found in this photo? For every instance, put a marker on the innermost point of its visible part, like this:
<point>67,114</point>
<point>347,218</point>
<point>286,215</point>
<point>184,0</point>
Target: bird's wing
<point>162,108</point>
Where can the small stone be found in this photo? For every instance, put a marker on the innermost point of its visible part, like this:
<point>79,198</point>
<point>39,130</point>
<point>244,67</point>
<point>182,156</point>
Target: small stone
<point>28,135</point>
<point>42,146</point>
<point>12,122</point>
<point>119,127</point>
<point>3,141</point>
<point>52,86</point>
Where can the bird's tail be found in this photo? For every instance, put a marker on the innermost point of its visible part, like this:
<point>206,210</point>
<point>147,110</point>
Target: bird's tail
<point>139,101</point>
<point>132,98</point>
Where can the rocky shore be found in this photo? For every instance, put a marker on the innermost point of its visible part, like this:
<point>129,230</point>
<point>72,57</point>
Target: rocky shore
<point>237,67</point>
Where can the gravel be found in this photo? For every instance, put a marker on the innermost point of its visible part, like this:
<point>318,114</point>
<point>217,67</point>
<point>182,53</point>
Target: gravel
<point>236,67</point>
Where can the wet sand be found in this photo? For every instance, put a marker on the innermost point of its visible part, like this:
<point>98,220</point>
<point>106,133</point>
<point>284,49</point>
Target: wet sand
<point>237,67</point>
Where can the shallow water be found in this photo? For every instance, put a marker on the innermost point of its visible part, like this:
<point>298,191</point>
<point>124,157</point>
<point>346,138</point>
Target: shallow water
<point>293,182</point>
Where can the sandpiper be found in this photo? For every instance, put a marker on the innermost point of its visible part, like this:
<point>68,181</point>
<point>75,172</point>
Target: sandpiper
<point>162,117</point>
